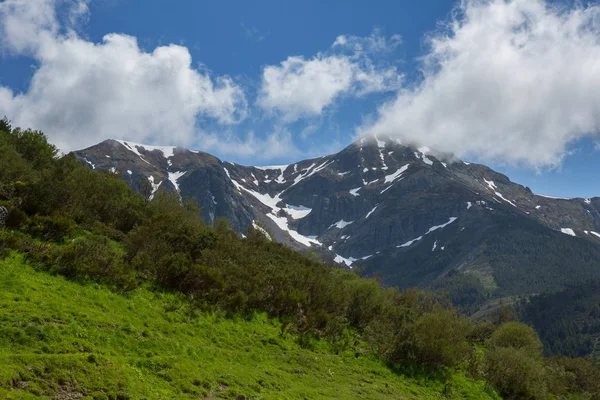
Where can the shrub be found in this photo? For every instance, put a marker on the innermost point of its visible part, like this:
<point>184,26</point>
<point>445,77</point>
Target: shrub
<point>99,228</point>
<point>14,170</point>
<point>514,363</point>
<point>52,228</point>
<point>440,338</point>
<point>93,256</point>
<point>14,240</point>
<point>515,374</point>
<point>518,336</point>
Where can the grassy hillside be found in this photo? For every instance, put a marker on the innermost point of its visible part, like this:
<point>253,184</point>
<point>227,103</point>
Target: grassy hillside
<point>70,340</point>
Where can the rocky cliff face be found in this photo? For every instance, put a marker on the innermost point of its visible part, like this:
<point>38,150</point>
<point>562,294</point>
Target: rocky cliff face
<point>406,214</point>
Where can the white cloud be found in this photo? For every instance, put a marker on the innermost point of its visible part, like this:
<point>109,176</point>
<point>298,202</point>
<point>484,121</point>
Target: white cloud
<point>84,92</point>
<point>510,80</point>
<point>79,13</point>
<point>251,148</point>
<point>300,87</point>
<point>26,24</point>
<point>304,87</point>
<point>372,44</point>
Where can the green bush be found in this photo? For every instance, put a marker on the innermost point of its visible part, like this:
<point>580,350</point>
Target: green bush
<point>514,363</point>
<point>14,170</point>
<point>515,374</point>
<point>518,336</point>
<point>51,228</point>
<point>92,256</point>
<point>440,338</point>
<point>15,240</point>
<point>101,229</point>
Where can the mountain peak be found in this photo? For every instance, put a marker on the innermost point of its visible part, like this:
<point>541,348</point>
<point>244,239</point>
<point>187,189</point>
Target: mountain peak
<point>379,203</point>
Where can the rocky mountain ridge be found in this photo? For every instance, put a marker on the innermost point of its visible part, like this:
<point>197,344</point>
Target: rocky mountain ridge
<point>406,214</point>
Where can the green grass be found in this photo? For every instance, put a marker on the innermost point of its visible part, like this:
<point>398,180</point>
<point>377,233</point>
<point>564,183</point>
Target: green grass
<point>68,340</point>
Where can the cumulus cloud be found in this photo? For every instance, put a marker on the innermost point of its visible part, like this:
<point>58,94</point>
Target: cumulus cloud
<point>509,80</point>
<point>26,24</point>
<point>252,148</point>
<point>84,92</point>
<point>300,87</point>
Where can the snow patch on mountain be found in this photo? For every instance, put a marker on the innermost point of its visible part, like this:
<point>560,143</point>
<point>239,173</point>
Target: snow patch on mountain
<point>273,168</point>
<point>410,242</point>
<point>392,177</point>
<point>427,161</point>
<point>568,231</point>
<point>386,189</point>
<point>381,148</point>
<point>341,224</point>
<point>432,229</point>
<point>354,192</point>
<point>311,171</point>
<point>493,187</point>
<point>343,260</point>
<point>435,228</point>
<point>282,223</point>
<point>554,197</point>
<point>154,186</point>
<point>174,177</point>
<point>297,212</point>
<point>490,184</point>
<point>349,260</point>
<point>168,151</point>
<point>372,211</point>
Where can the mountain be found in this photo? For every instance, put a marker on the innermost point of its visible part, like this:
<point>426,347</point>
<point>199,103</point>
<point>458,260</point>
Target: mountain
<point>411,216</point>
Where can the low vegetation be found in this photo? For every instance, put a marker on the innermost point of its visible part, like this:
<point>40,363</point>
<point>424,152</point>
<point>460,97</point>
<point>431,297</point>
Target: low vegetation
<point>83,340</point>
<point>89,226</point>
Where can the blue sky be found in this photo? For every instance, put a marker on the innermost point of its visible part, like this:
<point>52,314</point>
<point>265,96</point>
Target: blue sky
<point>271,82</point>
